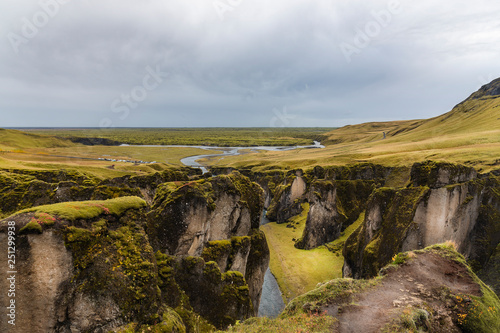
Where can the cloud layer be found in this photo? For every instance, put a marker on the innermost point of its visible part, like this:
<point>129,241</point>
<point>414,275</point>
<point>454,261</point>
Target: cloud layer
<point>240,63</point>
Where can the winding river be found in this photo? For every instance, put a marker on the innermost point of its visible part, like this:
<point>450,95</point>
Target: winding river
<point>234,151</point>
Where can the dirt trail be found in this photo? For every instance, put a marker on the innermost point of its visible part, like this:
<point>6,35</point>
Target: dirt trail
<point>416,282</point>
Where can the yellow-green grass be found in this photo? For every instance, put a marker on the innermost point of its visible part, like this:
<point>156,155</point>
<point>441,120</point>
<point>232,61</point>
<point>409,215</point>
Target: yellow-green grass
<point>166,155</point>
<point>88,209</point>
<point>298,323</point>
<point>12,139</point>
<point>227,137</point>
<point>298,271</point>
<point>86,159</point>
<point>469,134</point>
<point>97,169</point>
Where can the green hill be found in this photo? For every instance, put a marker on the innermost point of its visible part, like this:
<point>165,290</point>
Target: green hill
<point>13,139</point>
<point>480,113</point>
<point>468,134</point>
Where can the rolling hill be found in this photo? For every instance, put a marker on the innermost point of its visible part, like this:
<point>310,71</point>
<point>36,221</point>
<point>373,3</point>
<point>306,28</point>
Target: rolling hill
<point>468,134</point>
<point>13,139</point>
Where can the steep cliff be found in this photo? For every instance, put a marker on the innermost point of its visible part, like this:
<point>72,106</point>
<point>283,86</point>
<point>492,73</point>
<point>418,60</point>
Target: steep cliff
<point>27,188</point>
<point>96,266</point>
<point>334,205</point>
<point>217,219</point>
<point>84,266</point>
<point>443,202</point>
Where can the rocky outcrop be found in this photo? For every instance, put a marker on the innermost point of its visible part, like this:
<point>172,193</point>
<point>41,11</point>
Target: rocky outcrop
<point>187,215</point>
<point>429,290</point>
<point>217,219</point>
<point>97,266</point>
<point>287,199</point>
<point>333,207</point>
<point>27,188</point>
<point>445,202</point>
<point>84,267</point>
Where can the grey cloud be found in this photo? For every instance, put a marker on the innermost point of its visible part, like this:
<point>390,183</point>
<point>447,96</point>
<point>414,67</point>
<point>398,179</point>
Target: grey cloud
<point>235,71</point>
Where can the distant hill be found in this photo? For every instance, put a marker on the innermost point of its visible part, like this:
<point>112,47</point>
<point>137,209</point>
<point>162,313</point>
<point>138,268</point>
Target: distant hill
<point>13,139</point>
<point>478,113</point>
<point>469,134</point>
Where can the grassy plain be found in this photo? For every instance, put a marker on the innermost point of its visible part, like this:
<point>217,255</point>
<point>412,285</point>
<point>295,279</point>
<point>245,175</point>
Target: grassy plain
<point>33,151</point>
<point>224,137</point>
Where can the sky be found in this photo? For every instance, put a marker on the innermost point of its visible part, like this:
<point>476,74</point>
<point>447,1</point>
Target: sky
<point>241,63</point>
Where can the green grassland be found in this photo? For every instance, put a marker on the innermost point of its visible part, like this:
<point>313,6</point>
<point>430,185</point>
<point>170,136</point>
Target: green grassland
<point>469,134</point>
<point>72,211</point>
<point>223,137</point>
<point>19,150</point>
<point>12,139</point>
<point>298,271</point>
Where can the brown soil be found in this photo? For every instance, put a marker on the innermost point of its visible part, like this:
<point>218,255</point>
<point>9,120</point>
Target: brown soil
<point>421,282</point>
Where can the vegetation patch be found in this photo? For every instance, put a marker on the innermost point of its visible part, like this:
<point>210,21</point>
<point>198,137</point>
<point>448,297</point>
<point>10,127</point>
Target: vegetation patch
<point>119,260</point>
<point>299,323</point>
<point>72,211</point>
<point>298,271</point>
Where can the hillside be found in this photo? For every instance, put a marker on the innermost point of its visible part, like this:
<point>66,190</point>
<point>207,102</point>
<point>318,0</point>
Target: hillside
<point>13,139</point>
<point>468,134</point>
<point>477,114</point>
<point>431,290</point>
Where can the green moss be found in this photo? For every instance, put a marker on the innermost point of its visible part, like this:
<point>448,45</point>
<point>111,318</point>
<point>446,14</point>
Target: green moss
<point>170,322</point>
<point>217,251</point>
<point>120,262</point>
<point>318,323</point>
<point>332,292</point>
<point>31,227</point>
<point>72,211</point>
<point>475,314</point>
<point>397,207</point>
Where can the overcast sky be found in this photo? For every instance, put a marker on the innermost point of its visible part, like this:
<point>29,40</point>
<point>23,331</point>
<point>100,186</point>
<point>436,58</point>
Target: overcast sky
<point>187,63</point>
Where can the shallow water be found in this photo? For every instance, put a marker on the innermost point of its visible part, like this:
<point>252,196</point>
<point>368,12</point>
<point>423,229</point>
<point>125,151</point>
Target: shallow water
<point>271,301</point>
<point>233,151</point>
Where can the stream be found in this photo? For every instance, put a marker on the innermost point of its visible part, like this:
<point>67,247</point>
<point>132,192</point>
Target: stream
<point>271,301</point>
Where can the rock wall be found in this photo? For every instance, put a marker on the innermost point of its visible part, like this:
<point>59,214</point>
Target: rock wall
<point>444,202</point>
<point>216,219</point>
<point>27,188</point>
<point>96,266</point>
<point>333,207</point>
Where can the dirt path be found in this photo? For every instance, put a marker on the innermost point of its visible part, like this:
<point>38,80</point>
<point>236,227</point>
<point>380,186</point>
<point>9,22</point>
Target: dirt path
<point>420,280</point>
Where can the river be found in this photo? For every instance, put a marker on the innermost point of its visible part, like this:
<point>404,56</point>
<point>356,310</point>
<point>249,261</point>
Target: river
<point>271,301</point>
<point>233,151</point>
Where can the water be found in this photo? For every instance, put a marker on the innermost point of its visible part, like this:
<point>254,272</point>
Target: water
<point>271,301</point>
<point>226,151</point>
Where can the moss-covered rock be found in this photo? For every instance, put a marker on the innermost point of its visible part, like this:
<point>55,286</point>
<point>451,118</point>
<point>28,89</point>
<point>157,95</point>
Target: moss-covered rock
<point>333,207</point>
<point>388,217</point>
<point>439,174</point>
<point>187,215</point>
<point>221,298</point>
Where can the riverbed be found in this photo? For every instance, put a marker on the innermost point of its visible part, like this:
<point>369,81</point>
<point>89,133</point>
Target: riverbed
<point>234,151</point>
<point>271,301</point>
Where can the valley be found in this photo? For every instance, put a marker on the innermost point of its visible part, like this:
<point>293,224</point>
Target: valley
<point>395,222</point>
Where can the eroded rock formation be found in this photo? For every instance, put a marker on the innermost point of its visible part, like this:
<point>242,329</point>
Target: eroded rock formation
<point>444,202</point>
